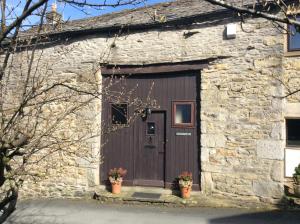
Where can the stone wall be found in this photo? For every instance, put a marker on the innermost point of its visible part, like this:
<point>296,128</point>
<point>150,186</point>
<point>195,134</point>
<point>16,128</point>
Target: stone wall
<point>67,123</point>
<point>242,112</point>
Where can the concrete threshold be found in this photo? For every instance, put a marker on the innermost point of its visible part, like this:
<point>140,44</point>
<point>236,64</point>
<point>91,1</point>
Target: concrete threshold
<point>141,189</point>
<point>167,196</point>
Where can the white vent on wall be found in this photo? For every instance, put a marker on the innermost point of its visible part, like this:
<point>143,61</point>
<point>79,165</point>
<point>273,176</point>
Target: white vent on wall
<point>231,31</point>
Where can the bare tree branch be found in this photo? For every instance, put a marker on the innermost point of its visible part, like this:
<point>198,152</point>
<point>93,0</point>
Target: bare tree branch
<point>99,5</point>
<point>26,13</point>
<point>255,12</point>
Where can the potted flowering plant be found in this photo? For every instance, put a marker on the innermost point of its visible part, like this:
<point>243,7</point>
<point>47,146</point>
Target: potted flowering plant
<point>185,181</point>
<point>297,181</point>
<point>115,177</point>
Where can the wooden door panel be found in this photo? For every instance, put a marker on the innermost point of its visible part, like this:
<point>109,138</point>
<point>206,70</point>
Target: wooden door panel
<point>150,150</point>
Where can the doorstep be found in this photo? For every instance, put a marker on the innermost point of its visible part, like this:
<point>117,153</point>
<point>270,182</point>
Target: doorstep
<point>166,196</point>
<point>171,198</point>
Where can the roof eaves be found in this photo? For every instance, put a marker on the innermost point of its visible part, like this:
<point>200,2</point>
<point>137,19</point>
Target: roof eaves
<point>139,26</point>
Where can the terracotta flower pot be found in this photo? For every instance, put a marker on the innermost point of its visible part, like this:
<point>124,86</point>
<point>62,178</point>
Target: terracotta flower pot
<point>185,192</point>
<point>116,187</point>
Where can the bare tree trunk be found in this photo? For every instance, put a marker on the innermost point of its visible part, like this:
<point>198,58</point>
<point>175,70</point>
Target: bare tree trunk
<point>8,204</point>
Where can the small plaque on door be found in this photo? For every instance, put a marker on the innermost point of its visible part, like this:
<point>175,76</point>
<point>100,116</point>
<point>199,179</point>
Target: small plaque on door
<point>149,146</point>
<point>183,134</point>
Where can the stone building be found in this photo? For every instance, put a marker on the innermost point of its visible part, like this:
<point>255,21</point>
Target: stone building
<point>220,89</point>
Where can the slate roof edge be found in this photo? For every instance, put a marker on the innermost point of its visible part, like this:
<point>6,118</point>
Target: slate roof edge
<point>144,25</point>
<point>186,20</point>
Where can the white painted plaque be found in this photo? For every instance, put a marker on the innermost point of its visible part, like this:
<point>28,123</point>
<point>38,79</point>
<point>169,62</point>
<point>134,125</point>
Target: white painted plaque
<point>292,159</point>
<point>183,133</point>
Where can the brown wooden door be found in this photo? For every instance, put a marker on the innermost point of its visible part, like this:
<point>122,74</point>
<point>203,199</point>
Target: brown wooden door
<point>150,150</point>
<point>128,147</point>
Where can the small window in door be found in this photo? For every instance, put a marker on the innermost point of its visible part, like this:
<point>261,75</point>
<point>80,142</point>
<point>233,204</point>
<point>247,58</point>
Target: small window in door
<point>293,132</point>
<point>119,113</point>
<point>150,128</point>
<point>183,114</point>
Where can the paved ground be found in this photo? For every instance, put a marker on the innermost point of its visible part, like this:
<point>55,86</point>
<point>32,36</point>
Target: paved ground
<point>91,212</point>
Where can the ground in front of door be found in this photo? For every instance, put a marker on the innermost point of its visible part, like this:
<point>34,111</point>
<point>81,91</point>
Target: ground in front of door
<point>92,212</point>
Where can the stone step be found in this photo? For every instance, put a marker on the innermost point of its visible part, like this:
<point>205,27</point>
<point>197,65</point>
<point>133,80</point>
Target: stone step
<point>168,198</point>
<point>158,190</point>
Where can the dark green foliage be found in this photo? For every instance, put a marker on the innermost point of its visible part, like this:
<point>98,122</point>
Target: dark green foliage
<point>117,173</point>
<point>297,170</point>
<point>297,175</point>
<point>185,176</point>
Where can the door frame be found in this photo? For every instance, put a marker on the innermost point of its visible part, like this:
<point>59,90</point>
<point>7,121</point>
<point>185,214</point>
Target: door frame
<point>156,183</point>
<point>168,171</point>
